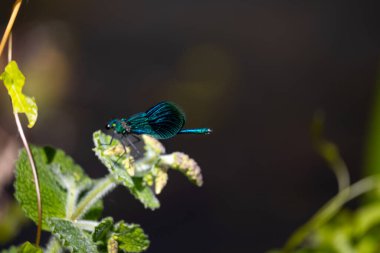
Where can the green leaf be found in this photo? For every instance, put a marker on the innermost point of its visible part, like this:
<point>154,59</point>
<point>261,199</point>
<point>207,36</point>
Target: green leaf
<point>121,166</point>
<point>113,157</point>
<point>131,237</point>
<point>14,81</point>
<point>53,165</point>
<point>52,195</point>
<point>26,247</point>
<point>71,236</point>
<point>101,231</point>
<point>144,194</point>
<point>29,248</point>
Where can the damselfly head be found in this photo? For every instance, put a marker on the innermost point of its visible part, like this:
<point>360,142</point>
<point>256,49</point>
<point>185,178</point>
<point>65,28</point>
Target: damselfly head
<point>112,124</point>
<point>119,126</point>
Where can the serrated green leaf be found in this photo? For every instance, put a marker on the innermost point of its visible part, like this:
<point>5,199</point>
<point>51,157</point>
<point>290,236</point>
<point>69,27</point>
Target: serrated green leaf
<point>27,247</point>
<point>53,194</point>
<point>120,166</point>
<point>130,237</point>
<point>51,191</point>
<point>102,229</point>
<point>67,166</point>
<point>71,236</point>
<point>113,157</point>
<point>14,81</point>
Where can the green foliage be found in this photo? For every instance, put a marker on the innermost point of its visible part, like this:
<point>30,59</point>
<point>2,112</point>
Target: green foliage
<point>61,182</point>
<point>122,236</point>
<point>101,231</point>
<point>366,218</point>
<point>27,247</point>
<point>131,238</point>
<point>71,236</point>
<point>11,220</point>
<point>108,154</point>
<point>334,228</point>
<point>14,81</point>
<point>122,167</point>
<point>72,202</point>
<point>95,212</point>
<point>345,234</point>
<point>51,190</point>
<point>148,171</point>
<point>12,249</point>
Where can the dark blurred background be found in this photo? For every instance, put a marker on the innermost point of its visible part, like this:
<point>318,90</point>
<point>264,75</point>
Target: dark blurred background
<point>254,71</point>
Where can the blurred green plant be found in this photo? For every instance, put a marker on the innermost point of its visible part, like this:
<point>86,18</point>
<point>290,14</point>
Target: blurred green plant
<point>334,228</point>
<point>372,147</point>
<point>11,220</point>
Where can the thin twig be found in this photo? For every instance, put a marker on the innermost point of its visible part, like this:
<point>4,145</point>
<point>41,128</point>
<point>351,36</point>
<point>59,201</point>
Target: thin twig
<point>10,46</point>
<point>11,21</point>
<point>31,160</point>
<point>35,177</point>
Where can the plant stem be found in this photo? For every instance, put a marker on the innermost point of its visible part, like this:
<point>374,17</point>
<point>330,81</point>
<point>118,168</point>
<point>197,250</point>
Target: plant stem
<point>329,152</point>
<point>35,177</point>
<point>16,8</point>
<point>72,198</point>
<point>31,159</point>
<point>330,209</point>
<point>101,188</point>
<point>86,225</point>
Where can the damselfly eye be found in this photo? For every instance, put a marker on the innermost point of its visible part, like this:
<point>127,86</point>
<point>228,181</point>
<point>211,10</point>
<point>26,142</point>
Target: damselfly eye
<point>108,127</point>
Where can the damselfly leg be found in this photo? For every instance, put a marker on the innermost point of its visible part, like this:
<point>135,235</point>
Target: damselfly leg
<point>126,142</point>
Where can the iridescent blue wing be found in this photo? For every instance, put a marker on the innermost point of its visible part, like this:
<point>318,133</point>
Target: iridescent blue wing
<point>162,121</point>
